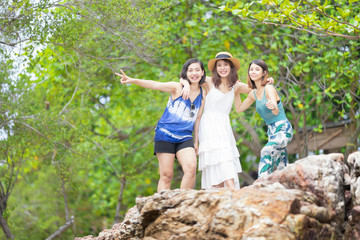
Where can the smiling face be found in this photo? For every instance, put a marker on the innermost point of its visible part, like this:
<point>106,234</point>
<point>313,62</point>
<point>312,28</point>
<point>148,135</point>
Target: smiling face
<point>256,73</point>
<point>194,72</point>
<point>223,68</point>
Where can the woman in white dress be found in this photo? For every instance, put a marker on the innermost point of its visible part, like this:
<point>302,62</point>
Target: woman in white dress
<point>218,154</point>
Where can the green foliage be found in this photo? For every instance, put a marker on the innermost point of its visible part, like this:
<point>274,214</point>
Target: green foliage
<point>318,75</point>
<point>318,17</point>
<point>35,199</point>
<point>70,113</point>
<point>71,124</point>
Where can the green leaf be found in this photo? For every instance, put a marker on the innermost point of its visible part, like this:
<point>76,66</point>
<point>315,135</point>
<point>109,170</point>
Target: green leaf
<point>265,168</point>
<point>271,143</point>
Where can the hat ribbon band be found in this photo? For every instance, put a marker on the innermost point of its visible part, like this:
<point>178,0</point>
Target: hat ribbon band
<point>220,56</point>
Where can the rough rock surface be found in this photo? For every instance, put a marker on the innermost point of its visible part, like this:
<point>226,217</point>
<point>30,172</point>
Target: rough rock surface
<point>317,197</point>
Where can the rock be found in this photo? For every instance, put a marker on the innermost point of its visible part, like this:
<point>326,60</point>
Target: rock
<point>353,227</point>
<point>321,175</point>
<point>131,226</point>
<point>305,200</point>
<point>354,163</point>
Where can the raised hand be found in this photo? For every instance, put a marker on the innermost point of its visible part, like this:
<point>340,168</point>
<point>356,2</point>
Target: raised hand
<point>185,92</point>
<point>124,78</point>
<point>270,105</point>
<point>270,80</point>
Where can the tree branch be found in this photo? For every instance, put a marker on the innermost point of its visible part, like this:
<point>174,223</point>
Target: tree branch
<point>351,145</point>
<point>119,203</point>
<point>72,97</point>
<point>61,229</point>
<point>254,145</point>
<point>324,33</point>
<point>325,14</point>
<point>108,160</point>
<point>28,126</point>
<point>13,44</point>
<point>111,31</point>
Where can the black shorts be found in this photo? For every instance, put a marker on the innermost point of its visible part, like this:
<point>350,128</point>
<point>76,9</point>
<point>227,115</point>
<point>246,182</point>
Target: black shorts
<point>168,147</point>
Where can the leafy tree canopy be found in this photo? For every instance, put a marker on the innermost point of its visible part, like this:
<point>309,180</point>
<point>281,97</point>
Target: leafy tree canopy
<point>322,18</point>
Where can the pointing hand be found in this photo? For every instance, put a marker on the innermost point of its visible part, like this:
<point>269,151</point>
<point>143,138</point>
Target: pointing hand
<point>124,78</point>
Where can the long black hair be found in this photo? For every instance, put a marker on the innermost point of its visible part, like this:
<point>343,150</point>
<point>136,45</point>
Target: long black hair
<point>183,73</point>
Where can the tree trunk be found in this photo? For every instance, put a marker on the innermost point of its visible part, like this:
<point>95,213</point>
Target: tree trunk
<point>305,135</point>
<point>5,228</point>
<point>297,129</point>
<point>254,145</point>
<point>118,206</point>
<point>61,229</point>
<point>351,145</point>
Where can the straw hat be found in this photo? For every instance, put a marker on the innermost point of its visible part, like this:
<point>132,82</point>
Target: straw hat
<point>224,55</point>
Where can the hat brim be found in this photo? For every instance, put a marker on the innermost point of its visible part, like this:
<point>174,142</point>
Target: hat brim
<point>235,61</point>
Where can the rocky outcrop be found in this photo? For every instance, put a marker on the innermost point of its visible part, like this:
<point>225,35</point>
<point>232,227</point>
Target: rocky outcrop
<point>317,197</point>
<point>352,226</point>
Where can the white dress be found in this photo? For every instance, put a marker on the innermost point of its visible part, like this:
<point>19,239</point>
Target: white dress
<point>218,154</point>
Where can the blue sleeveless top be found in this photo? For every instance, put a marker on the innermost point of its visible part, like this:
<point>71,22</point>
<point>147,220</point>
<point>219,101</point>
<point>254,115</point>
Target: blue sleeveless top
<point>177,122</point>
<point>266,113</point>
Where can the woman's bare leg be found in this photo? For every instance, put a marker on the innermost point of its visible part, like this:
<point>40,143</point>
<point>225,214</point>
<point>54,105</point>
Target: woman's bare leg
<point>220,185</point>
<point>227,183</point>
<point>230,183</point>
<point>187,159</point>
<point>166,168</point>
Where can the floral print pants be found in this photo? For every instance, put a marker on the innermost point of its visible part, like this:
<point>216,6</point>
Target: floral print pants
<point>274,153</point>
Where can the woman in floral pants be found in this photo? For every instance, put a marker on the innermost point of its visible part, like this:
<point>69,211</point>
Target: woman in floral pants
<point>270,108</point>
<point>274,153</point>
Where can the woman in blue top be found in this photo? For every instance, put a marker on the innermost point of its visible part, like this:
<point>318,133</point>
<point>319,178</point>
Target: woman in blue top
<point>270,108</point>
<point>173,133</point>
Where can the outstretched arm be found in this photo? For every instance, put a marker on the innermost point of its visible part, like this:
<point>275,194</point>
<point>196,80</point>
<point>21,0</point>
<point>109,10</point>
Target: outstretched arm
<point>242,106</point>
<point>161,86</point>
<point>241,88</point>
<point>244,88</point>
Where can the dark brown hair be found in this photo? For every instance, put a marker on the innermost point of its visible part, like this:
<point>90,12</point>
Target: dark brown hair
<point>262,64</point>
<point>233,76</point>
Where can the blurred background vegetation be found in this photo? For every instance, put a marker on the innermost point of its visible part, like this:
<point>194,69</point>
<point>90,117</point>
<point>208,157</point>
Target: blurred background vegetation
<point>77,146</point>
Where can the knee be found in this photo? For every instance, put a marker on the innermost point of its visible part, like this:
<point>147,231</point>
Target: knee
<point>263,151</point>
<point>190,169</point>
<point>166,176</point>
<point>266,151</point>
<point>283,144</point>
